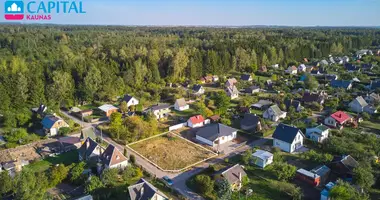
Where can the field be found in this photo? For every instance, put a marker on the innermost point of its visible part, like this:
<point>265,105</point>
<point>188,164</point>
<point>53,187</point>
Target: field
<point>171,152</point>
<point>64,158</point>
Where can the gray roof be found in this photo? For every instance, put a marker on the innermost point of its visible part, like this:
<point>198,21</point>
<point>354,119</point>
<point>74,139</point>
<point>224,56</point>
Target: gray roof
<point>181,102</point>
<point>262,103</point>
<point>250,120</point>
<point>143,190</point>
<point>197,87</point>
<point>245,77</point>
<point>277,111</point>
<point>232,174</point>
<point>286,133</point>
<point>214,131</point>
<point>361,101</point>
<point>87,148</point>
<point>232,90</point>
<point>127,98</point>
<point>160,107</point>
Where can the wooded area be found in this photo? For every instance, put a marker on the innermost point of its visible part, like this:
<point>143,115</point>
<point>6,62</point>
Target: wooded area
<point>68,65</point>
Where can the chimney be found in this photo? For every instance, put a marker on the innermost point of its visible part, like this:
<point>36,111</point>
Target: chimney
<point>88,144</point>
<point>240,177</point>
<point>141,192</point>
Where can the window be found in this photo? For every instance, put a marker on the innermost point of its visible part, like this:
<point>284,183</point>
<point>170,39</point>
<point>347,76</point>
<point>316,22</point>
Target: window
<point>117,157</point>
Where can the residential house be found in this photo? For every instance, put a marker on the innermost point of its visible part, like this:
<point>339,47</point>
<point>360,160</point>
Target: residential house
<point>309,98</point>
<point>143,190</point>
<point>367,67</point>
<point>108,109</point>
<point>51,125</point>
<point>359,105</point>
<point>339,60</point>
<point>302,68</point>
<point>291,70</point>
<point>208,79</point>
<point>230,82</point>
<point>113,158</point>
<point>325,194</point>
<point>347,85</point>
<point>331,77</point>
<point>250,122</point>
<point>343,166</point>
<point>198,90</point>
<point>331,59</point>
<point>288,138</point>
<point>215,134</point>
<point>323,63</point>
<point>338,119</point>
<point>252,89</point>
<point>316,72</point>
<point>195,121</point>
<point>373,98</point>
<point>362,52</point>
<point>263,69</point>
<point>346,59</point>
<point>262,158</point>
<point>215,78</point>
<point>85,113</point>
<point>268,84</point>
<point>90,150</point>
<point>351,67</point>
<point>294,104</point>
<point>181,105</point>
<point>262,105</point>
<point>318,133</point>
<point>131,101</point>
<point>202,80</point>
<point>308,177</point>
<point>374,85</point>
<point>232,92</point>
<point>69,143</point>
<point>309,68</point>
<point>160,110</point>
<point>323,172</point>
<point>276,66</point>
<point>40,110</point>
<point>215,118</point>
<point>246,77</point>
<point>274,113</point>
<point>234,176</point>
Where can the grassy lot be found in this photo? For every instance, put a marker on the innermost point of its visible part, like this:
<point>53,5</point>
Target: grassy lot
<point>370,124</point>
<point>88,107</point>
<point>171,152</point>
<point>261,78</point>
<point>64,158</point>
<point>186,113</point>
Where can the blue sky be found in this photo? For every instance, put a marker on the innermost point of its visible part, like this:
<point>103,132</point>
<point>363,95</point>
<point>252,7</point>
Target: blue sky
<point>223,12</point>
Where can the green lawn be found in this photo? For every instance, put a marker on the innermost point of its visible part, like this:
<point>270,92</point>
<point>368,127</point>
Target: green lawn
<point>261,78</point>
<point>64,158</point>
<point>88,107</point>
<point>186,113</point>
<point>369,124</point>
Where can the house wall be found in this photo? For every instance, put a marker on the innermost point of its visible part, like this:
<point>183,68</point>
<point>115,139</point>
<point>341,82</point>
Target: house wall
<point>329,121</point>
<point>298,140</point>
<point>132,102</point>
<point>108,113</point>
<point>121,165</point>
<point>176,107</point>
<point>281,144</point>
<point>189,124</point>
<point>204,140</point>
<point>228,138</point>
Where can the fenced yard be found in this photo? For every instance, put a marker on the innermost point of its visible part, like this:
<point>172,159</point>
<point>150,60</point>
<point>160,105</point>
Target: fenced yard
<point>171,152</point>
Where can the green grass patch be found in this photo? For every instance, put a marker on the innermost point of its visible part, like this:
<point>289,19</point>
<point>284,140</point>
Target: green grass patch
<point>186,113</point>
<point>66,158</point>
<point>370,124</point>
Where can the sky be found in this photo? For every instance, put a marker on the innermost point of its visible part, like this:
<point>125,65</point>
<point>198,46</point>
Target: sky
<point>224,13</point>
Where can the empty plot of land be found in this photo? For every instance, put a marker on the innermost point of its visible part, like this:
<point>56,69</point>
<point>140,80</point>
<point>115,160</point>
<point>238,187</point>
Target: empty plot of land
<point>171,152</point>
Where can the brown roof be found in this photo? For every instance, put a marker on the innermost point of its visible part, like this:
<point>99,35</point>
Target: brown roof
<point>112,156</point>
<point>215,118</point>
<point>232,174</point>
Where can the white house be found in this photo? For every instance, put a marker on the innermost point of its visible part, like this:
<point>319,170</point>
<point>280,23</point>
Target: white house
<point>262,158</point>
<point>274,113</point>
<point>113,158</point>
<point>232,92</point>
<point>131,101</point>
<point>215,134</point>
<point>90,150</point>
<point>302,68</point>
<point>160,110</point>
<point>288,138</point>
<point>51,125</point>
<point>198,90</point>
<point>337,119</point>
<point>195,121</point>
<point>318,133</point>
<point>181,105</point>
<point>291,70</point>
<point>359,105</point>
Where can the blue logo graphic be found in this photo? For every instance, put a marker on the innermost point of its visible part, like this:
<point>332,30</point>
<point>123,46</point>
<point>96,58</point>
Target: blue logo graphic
<point>14,10</point>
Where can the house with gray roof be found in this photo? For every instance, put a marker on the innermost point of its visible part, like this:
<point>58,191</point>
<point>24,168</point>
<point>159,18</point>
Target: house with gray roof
<point>181,105</point>
<point>274,113</point>
<point>230,82</point>
<point>252,89</point>
<point>215,134</point>
<point>130,100</point>
<point>318,133</point>
<point>288,138</point>
<point>374,85</point>
<point>90,150</point>
<point>232,92</point>
<point>51,125</point>
<point>160,110</point>
<point>347,85</point>
<point>262,104</point>
<point>143,190</point>
<point>246,77</point>
<point>372,98</point>
<point>198,90</point>
<point>234,176</point>
<point>262,158</point>
<point>113,158</point>
<point>359,105</point>
<point>250,122</point>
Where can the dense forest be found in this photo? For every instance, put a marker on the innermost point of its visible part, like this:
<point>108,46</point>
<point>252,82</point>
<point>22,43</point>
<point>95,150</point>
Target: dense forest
<point>69,65</point>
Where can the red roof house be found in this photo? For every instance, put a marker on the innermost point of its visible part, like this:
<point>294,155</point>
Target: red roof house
<point>195,121</point>
<point>338,119</point>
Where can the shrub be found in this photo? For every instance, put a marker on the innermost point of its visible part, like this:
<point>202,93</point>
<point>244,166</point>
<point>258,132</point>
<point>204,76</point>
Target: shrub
<point>204,184</point>
<point>132,159</point>
<point>64,131</point>
<point>283,171</point>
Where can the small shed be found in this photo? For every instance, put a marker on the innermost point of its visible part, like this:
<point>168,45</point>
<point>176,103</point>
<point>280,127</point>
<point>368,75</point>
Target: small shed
<point>308,177</point>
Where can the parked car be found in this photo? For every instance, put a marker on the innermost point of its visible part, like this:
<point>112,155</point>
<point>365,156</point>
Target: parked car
<point>167,180</point>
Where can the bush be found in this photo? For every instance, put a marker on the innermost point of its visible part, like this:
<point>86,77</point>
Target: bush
<point>317,157</point>
<point>283,171</point>
<point>64,131</point>
<point>204,184</point>
<point>366,116</point>
<point>132,159</point>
